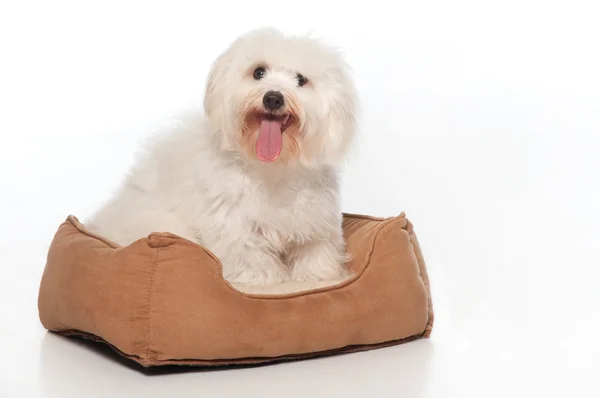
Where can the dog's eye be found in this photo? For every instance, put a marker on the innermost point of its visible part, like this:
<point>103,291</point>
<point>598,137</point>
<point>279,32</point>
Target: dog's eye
<point>259,73</point>
<point>301,79</point>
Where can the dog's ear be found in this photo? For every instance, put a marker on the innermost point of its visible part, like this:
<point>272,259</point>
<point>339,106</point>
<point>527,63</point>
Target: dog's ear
<point>342,117</point>
<point>214,103</point>
<point>210,97</point>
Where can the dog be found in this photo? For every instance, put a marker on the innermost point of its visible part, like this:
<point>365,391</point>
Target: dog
<point>255,178</point>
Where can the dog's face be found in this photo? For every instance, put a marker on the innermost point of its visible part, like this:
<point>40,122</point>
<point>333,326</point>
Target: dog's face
<point>280,99</point>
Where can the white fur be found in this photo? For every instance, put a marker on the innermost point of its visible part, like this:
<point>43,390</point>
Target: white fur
<point>267,222</point>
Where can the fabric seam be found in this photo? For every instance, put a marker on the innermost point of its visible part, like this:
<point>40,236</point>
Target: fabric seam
<point>150,296</point>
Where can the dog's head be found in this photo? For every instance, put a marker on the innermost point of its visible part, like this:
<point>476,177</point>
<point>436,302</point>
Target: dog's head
<point>282,99</point>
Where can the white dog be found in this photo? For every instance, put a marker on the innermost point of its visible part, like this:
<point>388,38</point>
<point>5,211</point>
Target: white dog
<point>255,181</point>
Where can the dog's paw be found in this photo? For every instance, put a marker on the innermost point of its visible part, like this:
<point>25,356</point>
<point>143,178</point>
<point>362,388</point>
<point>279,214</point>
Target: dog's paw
<point>262,273</point>
<point>319,261</point>
<point>308,272</point>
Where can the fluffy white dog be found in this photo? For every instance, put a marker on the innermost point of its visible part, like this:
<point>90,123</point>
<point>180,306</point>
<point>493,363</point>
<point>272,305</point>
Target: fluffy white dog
<point>255,180</point>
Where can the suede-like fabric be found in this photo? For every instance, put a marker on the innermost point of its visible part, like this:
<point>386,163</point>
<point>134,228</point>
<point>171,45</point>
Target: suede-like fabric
<point>162,300</point>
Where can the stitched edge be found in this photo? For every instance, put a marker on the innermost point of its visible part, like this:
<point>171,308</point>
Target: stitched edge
<point>420,258</point>
<point>81,228</point>
<point>150,296</point>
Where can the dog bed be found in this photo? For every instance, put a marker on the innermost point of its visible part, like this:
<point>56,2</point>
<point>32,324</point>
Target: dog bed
<point>163,301</point>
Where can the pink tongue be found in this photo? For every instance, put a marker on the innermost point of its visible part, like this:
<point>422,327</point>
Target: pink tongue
<point>269,142</point>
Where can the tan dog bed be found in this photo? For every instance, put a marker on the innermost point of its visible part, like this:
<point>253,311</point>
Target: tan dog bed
<point>162,300</point>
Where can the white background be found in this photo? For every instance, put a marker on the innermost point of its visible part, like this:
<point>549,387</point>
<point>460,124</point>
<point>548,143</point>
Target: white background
<point>480,120</point>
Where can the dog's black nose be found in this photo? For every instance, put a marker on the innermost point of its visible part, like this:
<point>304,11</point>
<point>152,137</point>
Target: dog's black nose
<point>273,100</point>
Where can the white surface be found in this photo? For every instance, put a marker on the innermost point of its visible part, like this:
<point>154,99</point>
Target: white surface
<point>480,121</point>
